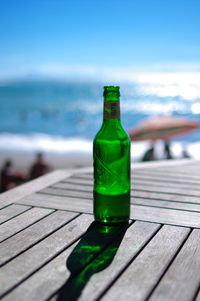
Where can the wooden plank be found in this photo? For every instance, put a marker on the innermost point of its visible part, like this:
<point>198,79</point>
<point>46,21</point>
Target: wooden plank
<point>139,201</point>
<point>31,235</point>
<point>11,211</point>
<point>76,257</point>
<point>69,193</point>
<point>137,179</point>
<point>59,202</point>
<point>166,216</point>
<point>25,264</point>
<point>143,183</point>
<point>152,214</point>
<point>166,204</point>
<point>145,271</point>
<point>163,163</point>
<point>183,169</point>
<point>171,174</point>
<point>170,164</point>
<point>167,164</point>
<point>182,279</point>
<point>100,278</point>
<point>198,296</point>
<point>166,196</point>
<point>70,186</point>
<point>173,194</point>
<point>176,202</point>
<point>167,190</point>
<point>166,179</point>
<point>22,221</point>
<point>80,181</point>
<point>81,170</point>
<point>30,187</point>
<point>88,175</point>
<point>7,201</point>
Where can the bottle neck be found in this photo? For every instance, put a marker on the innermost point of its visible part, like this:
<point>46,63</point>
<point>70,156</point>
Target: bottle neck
<point>111,110</point>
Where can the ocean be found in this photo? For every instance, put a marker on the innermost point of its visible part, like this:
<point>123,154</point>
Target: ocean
<point>63,116</point>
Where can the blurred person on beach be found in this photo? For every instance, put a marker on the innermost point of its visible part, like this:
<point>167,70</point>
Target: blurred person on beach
<point>185,154</point>
<point>167,151</point>
<point>149,154</point>
<point>39,167</point>
<point>159,150</point>
<point>9,177</point>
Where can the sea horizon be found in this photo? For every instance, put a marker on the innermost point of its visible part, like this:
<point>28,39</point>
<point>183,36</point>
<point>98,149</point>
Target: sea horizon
<point>62,115</point>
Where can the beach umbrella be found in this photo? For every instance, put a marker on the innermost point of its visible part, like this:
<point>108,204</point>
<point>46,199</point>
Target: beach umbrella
<point>162,127</point>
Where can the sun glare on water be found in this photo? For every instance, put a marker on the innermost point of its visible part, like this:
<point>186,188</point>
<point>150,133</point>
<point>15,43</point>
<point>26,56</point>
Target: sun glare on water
<point>184,85</point>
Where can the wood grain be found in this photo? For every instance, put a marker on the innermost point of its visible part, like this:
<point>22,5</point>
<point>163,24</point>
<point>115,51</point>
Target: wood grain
<point>166,216</point>
<point>144,272</point>
<point>182,279</point>
<point>186,191</point>
<point>22,221</point>
<point>166,204</point>
<point>31,235</point>
<point>70,186</point>
<point>11,211</point>
<point>134,240</point>
<point>166,196</point>
<point>143,213</point>
<point>25,264</point>
<point>164,178</point>
<point>28,188</point>
<point>56,273</point>
<point>78,180</point>
<point>143,183</point>
<point>71,193</point>
<point>198,295</point>
<point>59,202</point>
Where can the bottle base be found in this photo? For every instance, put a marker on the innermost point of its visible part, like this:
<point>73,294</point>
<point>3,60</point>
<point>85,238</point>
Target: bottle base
<point>111,209</point>
<point>111,220</point>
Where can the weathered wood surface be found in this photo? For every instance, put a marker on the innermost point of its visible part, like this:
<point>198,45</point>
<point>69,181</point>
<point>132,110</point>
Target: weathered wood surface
<point>135,239</point>
<point>184,271</point>
<point>75,193</point>
<point>25,264</point>
<point>56,273</point>
<point>192,192</point>
<point>31,235</point>
<point>198,295</point>
<point>22,221</point>
<point>47,251</point>
<point>19,192</point>
<point>59,202</point>
<point>138,197</point>
<point>141,275</point>
<point>11,211</point>
<point>143,180</point>
<point>138,212</point>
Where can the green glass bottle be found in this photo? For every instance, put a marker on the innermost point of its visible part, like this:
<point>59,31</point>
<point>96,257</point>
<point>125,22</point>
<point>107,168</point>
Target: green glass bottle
<point>111,155</point>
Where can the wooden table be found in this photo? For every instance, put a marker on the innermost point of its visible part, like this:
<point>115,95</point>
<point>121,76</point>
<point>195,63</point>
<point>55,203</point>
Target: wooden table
<point>52,250</point>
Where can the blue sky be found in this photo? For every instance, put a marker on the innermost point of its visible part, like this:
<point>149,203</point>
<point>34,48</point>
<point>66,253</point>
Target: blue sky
<point>84,36</point>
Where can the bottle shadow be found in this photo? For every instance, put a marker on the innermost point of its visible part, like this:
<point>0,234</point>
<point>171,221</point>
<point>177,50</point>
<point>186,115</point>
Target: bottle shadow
<point>94,253</point>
